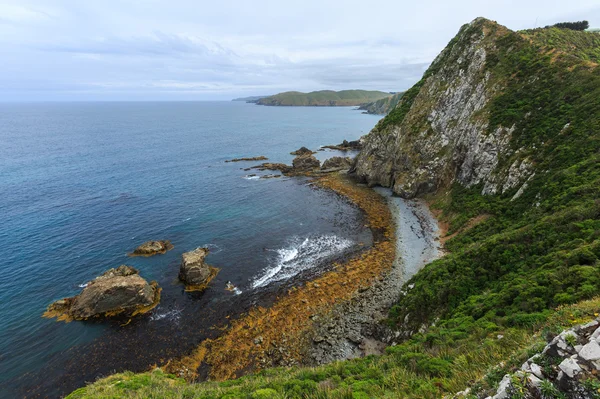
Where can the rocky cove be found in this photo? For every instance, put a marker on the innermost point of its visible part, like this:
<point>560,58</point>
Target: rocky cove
<point>336,315</point>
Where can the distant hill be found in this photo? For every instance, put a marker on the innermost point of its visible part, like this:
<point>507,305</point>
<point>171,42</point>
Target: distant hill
<point>382,106</point>
<point>251,99</point>
<point>324,98</point>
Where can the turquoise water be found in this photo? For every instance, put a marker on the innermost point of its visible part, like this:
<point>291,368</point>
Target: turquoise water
<point>82,184</point>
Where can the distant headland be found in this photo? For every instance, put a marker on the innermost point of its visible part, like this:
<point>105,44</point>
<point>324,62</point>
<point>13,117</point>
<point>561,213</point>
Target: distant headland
<point>321,98</point>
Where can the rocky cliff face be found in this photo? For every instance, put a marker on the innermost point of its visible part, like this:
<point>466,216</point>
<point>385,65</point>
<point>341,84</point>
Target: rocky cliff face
<point>439,132</point>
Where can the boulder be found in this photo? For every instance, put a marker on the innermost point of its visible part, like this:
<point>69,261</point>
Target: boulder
<point>302,151</point>
<point>120,291</point>
<point>337,163</point>
<point>150,248</point>
<point>194,272</point>
<point>305,163</point>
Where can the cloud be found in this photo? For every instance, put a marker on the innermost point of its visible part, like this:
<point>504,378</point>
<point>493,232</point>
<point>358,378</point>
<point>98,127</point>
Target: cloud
<point>164,49</point>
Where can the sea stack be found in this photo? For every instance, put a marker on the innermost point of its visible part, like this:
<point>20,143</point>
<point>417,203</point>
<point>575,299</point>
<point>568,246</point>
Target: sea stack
<point>121,291</point>
<point>302,151</point>
<point>150,248</point>
<point>194,272</point>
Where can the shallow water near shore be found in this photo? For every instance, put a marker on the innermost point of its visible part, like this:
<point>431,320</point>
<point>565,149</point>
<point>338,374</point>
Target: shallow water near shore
<point>83,184</point>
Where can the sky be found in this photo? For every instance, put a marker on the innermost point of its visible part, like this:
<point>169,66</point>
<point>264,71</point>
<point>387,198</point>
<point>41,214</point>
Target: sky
<point>86,50</point>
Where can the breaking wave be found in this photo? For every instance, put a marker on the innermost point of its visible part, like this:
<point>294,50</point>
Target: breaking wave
<point>302,254</point>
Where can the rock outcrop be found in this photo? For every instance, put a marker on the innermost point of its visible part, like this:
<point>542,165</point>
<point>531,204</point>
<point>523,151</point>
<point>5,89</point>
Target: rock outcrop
<point>439,132</point>
<point>194,272</point>
<point>576,356</point>
<point>283,168</point>
<point>120,291</point>
<point>337,163</point>
<point>305,163</point>
<point>259,158</point>
<point>150,248</point>
<point>302,151</point>
<point>346,145</point>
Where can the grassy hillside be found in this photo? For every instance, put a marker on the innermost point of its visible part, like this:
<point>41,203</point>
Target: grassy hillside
<point>519,267</point>
<point>382,106</point>
<point>323,98</point>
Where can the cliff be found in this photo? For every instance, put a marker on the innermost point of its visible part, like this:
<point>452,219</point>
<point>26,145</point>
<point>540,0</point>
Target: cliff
<point>382,106</point>
<point>460,124</point>
<point>323,98</point>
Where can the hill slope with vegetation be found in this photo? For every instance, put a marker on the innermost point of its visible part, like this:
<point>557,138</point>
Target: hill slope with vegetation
<point>324,98</point>
<point>382,106</point>
<point>502,137</point>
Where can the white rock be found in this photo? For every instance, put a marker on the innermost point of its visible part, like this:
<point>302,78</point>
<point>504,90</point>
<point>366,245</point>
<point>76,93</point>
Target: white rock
<point>533,380</point>
<point>596,333</point>
<point>578,348</point>
<point>589,325</point>
<point>502,392</point>
<point>590,351</point>
<point>525,366</point>
<point>570,367</point>
<point>536,370</point>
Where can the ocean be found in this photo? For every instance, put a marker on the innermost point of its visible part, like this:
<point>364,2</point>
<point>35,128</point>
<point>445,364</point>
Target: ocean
<point>82,184</point>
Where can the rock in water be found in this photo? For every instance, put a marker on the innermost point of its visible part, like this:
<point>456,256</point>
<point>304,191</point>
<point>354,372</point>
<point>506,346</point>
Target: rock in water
<point>120,291</point>
<point>305,163</point>
<point>150,248</point>
<point>194,272</point>
<point>337,163</point>
<point>302,151</point>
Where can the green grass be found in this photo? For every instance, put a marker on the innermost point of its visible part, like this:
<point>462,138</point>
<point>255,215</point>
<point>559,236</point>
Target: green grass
<point>426,366</point>
<point>324,98</point>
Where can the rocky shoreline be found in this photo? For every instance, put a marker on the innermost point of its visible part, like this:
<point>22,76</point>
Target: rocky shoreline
<point>354,329</point>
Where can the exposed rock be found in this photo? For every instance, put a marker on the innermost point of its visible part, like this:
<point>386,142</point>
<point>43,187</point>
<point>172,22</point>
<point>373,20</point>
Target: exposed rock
<point>302,151</point>
<point>346,146</point>
<point>150,248</point>
<point>337,163</point>
<point>568,379</point>
<point>260,158</point>
<point>590,351</point>
<point>570,367</point>
<point>305,163</point>
<point>119,291</point>
<point>442,134</point>
<point>283,168</point>
<point>194,272</point>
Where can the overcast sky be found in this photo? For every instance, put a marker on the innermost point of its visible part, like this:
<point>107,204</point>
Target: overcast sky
<point>220,49</point>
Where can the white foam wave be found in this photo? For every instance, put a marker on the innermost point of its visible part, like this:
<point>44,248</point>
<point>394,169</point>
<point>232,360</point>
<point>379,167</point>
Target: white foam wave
<point>302,254</point>
<point>172,314</point>
<point>83,285</point>
<point>213,248</point>
<point>251,177</point>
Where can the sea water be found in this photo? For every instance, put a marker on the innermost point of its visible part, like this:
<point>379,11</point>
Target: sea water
<point>82,184</point>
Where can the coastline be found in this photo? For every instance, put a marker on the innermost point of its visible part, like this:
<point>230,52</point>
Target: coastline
<point>281,334</point>
<point>354,329</point>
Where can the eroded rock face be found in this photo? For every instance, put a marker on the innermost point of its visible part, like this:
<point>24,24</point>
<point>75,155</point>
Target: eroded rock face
<point>444,136</point>
<point>120,291</point>
<point>305,163</point>
<point>194,272</point>
<point>150,248</point>
<point>302,151</point>
<point>337,163</point>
